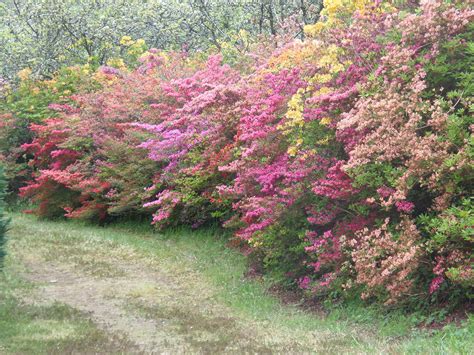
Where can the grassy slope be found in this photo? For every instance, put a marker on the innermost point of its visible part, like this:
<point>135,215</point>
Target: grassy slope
<point>59,328</point>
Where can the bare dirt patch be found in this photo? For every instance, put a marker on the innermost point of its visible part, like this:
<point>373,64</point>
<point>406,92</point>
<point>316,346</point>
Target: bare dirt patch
<point>131,296</point>
<point>159,295</point>
<point>148,308</point>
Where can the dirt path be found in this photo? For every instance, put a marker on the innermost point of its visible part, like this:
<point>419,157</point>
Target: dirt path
<point>157,305</point>
<point>147,307</point>
<point>106,300</point>
<point>75,289</point>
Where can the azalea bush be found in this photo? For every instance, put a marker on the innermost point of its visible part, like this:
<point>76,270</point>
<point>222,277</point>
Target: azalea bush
<point>31,102</point>
<point>88,160</point>
<point>342,162</point>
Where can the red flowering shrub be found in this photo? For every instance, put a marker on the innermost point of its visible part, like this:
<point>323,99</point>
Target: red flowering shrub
<point>82,153</point>
<point>32,102</point>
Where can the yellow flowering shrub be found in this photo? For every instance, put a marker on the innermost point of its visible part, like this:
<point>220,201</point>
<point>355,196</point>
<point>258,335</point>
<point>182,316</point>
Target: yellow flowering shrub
<point>24,74</point>
<point>334,11</point>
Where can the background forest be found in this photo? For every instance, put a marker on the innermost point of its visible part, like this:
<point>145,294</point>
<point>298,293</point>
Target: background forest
<point>46,35</point>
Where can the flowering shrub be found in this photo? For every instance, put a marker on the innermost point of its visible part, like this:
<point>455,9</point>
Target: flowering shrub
<point>193,136</point>
<point>343,162</point>
<point>32,102</point>
<point>406,144</point>
<point>87,161</point>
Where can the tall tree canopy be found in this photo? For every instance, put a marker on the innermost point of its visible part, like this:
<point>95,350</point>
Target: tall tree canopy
<point>47,34</point>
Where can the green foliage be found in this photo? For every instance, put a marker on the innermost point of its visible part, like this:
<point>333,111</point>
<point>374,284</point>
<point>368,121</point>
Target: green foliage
<point>450,231</point>
<point>455,224</point>
<point>451,76</point>
<point>282,248</point>
<point>375,175</point>
<point>128,172</point>
<point>449,234</point>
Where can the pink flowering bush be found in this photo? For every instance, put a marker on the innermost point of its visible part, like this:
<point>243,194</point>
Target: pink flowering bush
<point>192,137</point>
<point>408,139</point>
<point>87,162</point>
<point>343,162</point>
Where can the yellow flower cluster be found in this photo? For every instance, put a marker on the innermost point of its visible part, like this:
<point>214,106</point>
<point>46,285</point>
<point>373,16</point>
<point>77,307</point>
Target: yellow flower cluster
<point>314,30</point>
<point>334,7</point>
<point>293,56</point>
<point>135,47</point>
<point>319,78</point>
<point>104,80</point>
<point>295,119</point>
<point>331,61</point>
<point>334,11</point>
<point>24,74</point>
<point>294,114</point>
<point>126,41</point>
<point>117,63</point>
<point>325,121</point>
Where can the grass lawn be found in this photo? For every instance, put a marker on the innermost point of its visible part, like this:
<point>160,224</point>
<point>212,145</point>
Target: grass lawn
<point>68,287</point>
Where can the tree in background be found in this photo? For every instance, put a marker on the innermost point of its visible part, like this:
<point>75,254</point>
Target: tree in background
<point>47,34</point>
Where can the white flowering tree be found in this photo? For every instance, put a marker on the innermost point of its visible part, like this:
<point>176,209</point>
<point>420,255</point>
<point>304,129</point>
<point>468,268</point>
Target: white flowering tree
<point>46,34</point>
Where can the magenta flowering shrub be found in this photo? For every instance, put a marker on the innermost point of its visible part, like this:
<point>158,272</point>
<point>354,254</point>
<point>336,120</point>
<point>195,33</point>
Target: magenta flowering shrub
<point>193,136</point>
<point>289,180</point>
<point>342,162</point>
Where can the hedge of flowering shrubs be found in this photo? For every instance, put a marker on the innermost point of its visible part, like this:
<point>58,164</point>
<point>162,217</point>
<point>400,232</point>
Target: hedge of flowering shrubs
<point>343,162</point>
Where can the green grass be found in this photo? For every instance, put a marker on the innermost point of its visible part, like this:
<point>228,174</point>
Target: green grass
<point>225,267</point>
<point>52,329</point>
<point>200,261</point>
